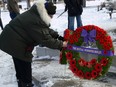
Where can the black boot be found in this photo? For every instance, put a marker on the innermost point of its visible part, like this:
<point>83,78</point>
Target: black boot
<point>22,84</point>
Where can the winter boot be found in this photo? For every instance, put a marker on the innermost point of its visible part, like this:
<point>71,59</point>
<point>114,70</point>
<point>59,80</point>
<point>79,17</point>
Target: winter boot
<point>22,84</point>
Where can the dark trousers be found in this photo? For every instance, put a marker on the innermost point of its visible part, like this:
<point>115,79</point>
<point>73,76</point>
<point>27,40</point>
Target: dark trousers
<point>23,72</point>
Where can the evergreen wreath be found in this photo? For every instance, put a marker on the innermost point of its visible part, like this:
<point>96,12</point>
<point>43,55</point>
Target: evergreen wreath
<point>89,34</point>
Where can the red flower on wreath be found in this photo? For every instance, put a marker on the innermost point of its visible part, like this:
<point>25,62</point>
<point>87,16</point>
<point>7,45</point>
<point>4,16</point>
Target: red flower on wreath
<point>74,69</point>
<point>98,67</point>
<point>103,33</point>
<point>80,73</point>
<point>69,55</point>
<point>72,63</point>
<point>101,41</point>
<point>104,61</point>
<point>94,74</point>
<point>88,75</point>
<point>88,64</point>
<point>73,39</point>
<point>100,34</point>
<point>106,47</point>
<point>81,62</point>
<point>93,61</point>
<point>67,34</point>
<point>78,31</point>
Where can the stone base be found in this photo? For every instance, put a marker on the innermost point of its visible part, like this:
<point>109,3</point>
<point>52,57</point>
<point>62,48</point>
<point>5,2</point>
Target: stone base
<point>44,51</point>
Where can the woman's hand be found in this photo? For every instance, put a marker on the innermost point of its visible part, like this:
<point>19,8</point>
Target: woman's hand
<point>65,43</point>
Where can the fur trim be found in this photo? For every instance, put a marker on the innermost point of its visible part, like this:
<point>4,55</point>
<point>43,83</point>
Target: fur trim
<point>43,12</point>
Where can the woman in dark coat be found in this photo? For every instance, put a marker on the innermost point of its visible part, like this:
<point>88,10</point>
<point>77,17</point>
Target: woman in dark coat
<point>27,30</point>
<point>75,10</point>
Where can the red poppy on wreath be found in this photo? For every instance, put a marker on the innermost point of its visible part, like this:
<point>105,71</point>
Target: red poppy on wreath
<point>74,69</point>
<point>104,61</point>
<point>88,75</point>
<point>93,61</point>
<point>69,55</point>
<point>72,63</point>
<point>67,34</point>
<point>88,35</point>
<point>88,64</point>
<point>94,74</point>
<point>98,67</point>
<point>80,74</point>
<point>81,62</point>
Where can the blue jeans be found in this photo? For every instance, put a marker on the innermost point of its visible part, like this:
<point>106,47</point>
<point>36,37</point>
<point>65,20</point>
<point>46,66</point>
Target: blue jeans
<point>71,20</point>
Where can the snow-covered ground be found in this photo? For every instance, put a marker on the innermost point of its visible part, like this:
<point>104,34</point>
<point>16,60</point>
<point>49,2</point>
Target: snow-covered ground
<point>49,72</point>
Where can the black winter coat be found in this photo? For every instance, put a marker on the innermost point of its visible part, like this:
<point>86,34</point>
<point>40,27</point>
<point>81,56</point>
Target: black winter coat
<point>27,30</point>
<point>74,7</point>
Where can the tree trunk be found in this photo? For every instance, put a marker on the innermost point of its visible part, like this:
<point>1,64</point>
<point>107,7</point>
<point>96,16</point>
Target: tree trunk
<point>28,4</point>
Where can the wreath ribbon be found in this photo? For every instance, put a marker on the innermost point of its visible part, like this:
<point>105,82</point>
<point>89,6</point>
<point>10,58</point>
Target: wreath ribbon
<point>90,50</point>
<point>88,36</point>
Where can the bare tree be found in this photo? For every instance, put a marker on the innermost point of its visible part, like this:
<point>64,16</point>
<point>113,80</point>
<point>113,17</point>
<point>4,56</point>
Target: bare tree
<point>28,4</point>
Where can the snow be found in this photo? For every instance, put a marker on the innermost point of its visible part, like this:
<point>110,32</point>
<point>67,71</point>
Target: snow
<point>50,72</point>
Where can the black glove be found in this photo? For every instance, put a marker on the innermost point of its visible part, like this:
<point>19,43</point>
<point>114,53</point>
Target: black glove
<point>61,49</point>
<point>61,38</point>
